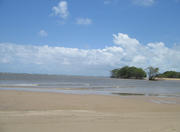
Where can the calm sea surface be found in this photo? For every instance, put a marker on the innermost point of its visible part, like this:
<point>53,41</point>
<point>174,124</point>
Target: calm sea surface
<point>88,85</point>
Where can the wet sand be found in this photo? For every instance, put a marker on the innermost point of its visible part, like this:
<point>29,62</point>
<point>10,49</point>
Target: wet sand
<point>56,112</point>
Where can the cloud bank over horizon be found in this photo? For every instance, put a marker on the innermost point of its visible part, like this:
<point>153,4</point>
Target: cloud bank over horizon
<point>74,61</point>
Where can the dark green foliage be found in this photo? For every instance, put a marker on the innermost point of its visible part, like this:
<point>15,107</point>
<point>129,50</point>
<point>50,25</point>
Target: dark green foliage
<point>128,72</point>
<point>114,73</point>
<point>170,74</point>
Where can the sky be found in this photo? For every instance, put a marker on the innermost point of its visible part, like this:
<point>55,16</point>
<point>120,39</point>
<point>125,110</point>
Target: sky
<point>88,37</point>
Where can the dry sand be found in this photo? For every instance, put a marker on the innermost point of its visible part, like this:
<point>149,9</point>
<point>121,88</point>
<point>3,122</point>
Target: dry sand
<point>54,112</point>
<point>176,79</point>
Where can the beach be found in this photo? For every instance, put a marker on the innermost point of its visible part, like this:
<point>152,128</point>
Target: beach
<point>177,79</point>
<point>38,111</point>
<point>89,66</point>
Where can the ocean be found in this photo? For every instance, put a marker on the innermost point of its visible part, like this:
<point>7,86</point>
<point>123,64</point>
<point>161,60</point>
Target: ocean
<point>88,85</point>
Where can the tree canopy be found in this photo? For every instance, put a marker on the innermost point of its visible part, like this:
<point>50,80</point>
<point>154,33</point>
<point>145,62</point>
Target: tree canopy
<point>170,74</point>
<point>138,73</point>
<point>128,72</point>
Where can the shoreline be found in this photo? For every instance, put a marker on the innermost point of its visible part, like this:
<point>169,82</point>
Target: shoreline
<point>175,79</point>
<point>87,92</point>
<point>31,111</point>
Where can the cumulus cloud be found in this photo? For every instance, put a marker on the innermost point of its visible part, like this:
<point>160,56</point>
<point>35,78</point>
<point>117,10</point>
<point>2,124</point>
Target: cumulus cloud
<point>144,2</point>
<point>126,51</point>
<point>124,40</point>
<point>61,9</point>
<point>43,33</point>
<point>83,21</point>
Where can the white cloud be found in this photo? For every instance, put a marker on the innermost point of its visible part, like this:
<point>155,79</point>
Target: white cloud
<point>43,33</point>
<point>61,9</point>
<point>143,2</point>
<point>124,40</point>
<point>126,51</point>
<point>83,21</point>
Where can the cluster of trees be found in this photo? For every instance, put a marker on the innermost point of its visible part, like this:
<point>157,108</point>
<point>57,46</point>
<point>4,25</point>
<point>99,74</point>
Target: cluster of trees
<point>139,73</point>
<point>128,72</point>
<point>134,73</point>
<point>170,74</point>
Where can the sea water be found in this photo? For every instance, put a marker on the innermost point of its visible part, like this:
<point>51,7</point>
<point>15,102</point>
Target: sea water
<point>88,85</point>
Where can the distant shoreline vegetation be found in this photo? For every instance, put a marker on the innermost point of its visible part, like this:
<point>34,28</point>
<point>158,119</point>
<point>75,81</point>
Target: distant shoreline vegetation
<point>169,74</point>
<point>128,72</point>
<point>133,72</point>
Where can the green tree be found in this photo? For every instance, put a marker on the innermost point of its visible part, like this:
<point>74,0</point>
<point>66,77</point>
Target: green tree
<point>114,73</point>
<point>170,74</point>
<point>128,72</point>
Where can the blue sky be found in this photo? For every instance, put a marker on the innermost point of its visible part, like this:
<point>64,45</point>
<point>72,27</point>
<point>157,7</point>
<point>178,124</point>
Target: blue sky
<point>75,31</point>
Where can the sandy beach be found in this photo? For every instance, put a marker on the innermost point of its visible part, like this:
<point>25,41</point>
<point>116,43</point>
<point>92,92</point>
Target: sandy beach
<point>176,79</point>
<point>55,112</point>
